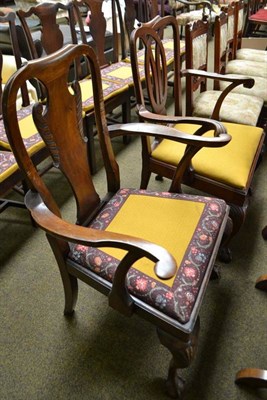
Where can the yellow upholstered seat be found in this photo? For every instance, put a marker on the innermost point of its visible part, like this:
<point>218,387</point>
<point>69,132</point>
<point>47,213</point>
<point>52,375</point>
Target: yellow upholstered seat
<point>225,172</point>
<point>8,165</point>
<point>230,164</point>
<point>110,89</point>
<point>196,216</point>
<point>120,72</point>
<point>32,139</point>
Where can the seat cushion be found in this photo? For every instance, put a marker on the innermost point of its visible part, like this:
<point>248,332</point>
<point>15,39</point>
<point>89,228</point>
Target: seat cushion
<point>187,226</point>
<point>8,165</point>
<point>32,140</point>
<point>247,67</point>
<point>121,72</point>
<point>252,54</point>
<point>230,164</point>
<point>259,89</point>
<point>110,89</point>
<point>237,108</point>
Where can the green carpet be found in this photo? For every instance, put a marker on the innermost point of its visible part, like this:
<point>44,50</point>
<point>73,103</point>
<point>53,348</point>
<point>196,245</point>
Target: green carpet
<point>99,354</point>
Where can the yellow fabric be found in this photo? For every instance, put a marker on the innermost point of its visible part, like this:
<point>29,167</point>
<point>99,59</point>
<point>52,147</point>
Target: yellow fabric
<point>27,129</point>
<point>9,67</point>
<point>141,58</point>
<point>87,92</point>
<point>230,164</point>
<point>168,45</point>
<point>8,172</point>
<point>161,221</point>
<point>122,72</point>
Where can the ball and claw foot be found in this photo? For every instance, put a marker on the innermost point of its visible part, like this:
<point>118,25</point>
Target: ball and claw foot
<point>225,255</point>
<point>175,386</point>
<point>215,273</point>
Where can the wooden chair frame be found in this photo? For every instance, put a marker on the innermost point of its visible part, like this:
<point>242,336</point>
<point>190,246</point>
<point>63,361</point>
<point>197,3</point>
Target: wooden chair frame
<point>179,338</point>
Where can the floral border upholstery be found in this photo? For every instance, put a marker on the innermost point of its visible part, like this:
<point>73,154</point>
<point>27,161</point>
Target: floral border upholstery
<point>178,300</point>
<point>7,164</point>
<point>30,141</point>
<point>111,90</point>
<point>106,73</point>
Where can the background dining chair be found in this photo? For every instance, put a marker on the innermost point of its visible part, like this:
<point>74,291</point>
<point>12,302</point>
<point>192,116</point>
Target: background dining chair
<point>240,51</point>
<point>221,67</point>
<point>32,140</point>
<point>256,18</point>
<point>166,282</point>
<point>226,172</point>
<point>52,36</point>
<point>200,101</point>
<point>194,11</point>
<point>255,65</point>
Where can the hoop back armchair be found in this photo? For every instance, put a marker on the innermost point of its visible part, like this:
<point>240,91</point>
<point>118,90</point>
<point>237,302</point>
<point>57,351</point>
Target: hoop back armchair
<point>212,169</point>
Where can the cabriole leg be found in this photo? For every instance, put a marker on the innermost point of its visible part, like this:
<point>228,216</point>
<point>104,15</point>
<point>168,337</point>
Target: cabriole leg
<point>183,352</point>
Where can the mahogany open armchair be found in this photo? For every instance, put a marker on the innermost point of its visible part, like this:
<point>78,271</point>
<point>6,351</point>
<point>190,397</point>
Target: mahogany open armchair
<point>160,270</point>
<point>227,172</point>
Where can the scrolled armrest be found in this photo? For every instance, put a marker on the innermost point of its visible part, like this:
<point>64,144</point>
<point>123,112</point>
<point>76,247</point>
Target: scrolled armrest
<point>165,264</point>
<point>237,79</point>
<point>194,142</point>
<point>220,138</point>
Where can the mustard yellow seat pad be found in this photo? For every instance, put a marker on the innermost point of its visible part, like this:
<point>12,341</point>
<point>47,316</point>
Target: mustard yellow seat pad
<point>230,164</point>
<point>31,138</point>
<point>110,90</point>
<point>8,165</point>
<point>187,226</point>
